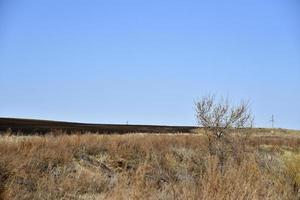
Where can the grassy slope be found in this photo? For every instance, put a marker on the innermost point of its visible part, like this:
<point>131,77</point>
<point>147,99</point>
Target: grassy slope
<point>147,167</point>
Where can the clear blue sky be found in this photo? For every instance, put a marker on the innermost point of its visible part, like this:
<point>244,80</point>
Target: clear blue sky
<point>147,61</point>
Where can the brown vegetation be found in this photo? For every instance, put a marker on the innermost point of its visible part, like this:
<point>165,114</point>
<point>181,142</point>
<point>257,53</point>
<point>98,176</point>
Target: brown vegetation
<point>146,167</point>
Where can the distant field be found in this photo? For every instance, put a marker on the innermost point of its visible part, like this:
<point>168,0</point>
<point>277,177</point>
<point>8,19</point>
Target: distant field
<point>29,126</point>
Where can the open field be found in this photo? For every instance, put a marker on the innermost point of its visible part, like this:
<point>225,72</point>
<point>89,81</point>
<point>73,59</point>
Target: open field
<point>31,126</point>
<point>41,127</point>
<point>148,166</point>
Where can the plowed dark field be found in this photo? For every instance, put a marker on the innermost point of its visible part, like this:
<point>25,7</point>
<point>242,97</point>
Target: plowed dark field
<point>30,126</point>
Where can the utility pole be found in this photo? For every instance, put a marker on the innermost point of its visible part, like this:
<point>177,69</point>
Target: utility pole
<point>272,120</point>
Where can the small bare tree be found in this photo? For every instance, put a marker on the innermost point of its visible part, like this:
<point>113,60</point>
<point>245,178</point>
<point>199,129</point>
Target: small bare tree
<point>219,117</point>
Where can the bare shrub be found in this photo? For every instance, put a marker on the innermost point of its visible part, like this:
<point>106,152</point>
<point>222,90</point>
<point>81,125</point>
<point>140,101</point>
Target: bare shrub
<point>219,117</point>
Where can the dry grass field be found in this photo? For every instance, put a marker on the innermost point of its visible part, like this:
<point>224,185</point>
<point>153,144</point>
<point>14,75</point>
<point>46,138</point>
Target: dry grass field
<point>141,166</point>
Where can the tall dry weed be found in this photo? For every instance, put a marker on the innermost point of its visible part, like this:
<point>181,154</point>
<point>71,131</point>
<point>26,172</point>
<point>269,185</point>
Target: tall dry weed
<point>139,167</point>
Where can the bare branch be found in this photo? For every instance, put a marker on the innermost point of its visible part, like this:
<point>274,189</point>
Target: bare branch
<point>219,117</point>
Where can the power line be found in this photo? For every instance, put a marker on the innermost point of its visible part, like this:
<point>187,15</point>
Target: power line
<point>272,121</point>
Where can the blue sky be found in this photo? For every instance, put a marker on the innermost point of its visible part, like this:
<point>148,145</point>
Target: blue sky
<point>146,62</point>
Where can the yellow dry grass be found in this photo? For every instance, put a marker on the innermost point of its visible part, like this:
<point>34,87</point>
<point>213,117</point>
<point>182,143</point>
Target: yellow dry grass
<point>144,167</point>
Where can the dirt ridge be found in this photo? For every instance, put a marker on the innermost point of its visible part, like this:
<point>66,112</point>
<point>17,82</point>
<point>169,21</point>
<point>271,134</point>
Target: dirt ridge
<point>44,126</point>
